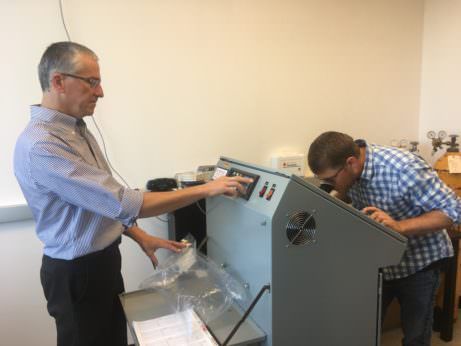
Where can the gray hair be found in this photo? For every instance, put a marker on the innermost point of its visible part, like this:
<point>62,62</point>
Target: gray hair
<point>62,57</point>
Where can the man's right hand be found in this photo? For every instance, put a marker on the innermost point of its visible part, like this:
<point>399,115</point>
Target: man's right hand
<point>229,186</point>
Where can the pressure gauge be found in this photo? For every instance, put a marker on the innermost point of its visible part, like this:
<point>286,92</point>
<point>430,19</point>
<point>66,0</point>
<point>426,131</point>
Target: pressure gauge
<point>414,146</point>
<point>442,134</point>
<point>431,134</point>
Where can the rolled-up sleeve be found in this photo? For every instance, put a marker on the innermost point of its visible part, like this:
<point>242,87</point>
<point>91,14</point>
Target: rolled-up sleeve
<point>422,186</point>
<point>130,206</point>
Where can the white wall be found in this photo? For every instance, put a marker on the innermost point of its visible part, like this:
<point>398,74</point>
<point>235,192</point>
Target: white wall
<point>24,319</point>
<point>441,70</point>
<point>187,81</point>
<point>22,303</point>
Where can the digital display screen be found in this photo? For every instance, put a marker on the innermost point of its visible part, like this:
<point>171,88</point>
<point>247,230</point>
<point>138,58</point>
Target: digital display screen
<point>234,172</point>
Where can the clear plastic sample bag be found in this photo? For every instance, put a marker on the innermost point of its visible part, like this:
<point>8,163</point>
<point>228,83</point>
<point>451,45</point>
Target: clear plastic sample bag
<point>188,280</point>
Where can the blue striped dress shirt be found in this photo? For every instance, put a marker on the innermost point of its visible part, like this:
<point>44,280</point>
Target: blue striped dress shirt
<point>404,186</point>
<point>78,207</point>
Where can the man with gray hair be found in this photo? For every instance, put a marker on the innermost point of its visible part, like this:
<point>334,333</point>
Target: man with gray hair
<point>80,210</point>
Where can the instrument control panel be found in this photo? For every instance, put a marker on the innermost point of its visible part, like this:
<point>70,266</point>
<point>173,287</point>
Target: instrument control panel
<point>235,172</point>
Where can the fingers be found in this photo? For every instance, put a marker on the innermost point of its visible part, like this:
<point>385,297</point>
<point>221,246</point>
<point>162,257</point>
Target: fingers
<point>374,213</point>
<point>229,186</point>
<point>243,180</point>
<point>154,259</point>
<point>370,210</point>
<point>181,244</point>
<point>234,185</point>
<point>234,189</point>
<point>170,245</point>
<point>164,244</point>
<point>174,246</point>
<point>378,215</point>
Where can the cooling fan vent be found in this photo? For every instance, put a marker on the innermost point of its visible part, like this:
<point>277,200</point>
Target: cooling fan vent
<point>301,228</point>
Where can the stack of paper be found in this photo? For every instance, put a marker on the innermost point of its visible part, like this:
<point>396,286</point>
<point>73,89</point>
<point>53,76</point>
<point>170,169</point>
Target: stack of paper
<point>178,329</point>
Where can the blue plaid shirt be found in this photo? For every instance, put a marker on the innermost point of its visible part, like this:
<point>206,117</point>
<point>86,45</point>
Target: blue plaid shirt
<point>405,186</point>
<point>77,205</point>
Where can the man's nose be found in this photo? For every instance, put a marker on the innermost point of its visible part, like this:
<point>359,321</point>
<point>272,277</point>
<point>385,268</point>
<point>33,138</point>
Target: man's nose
<point>98,91</point>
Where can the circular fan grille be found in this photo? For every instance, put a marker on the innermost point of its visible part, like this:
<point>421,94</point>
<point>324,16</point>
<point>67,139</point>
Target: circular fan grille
<point>301,228</point>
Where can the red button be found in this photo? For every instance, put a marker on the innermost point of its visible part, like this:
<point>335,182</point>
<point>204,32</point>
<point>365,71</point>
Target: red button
<point>263,190</point>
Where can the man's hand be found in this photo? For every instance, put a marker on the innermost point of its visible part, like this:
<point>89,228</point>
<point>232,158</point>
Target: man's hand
<point>229,186</point>
<point>152,244</point>
<point>156,203</point>
<point>380,216</point>
<point>432,221</point>
<point>149,244</point>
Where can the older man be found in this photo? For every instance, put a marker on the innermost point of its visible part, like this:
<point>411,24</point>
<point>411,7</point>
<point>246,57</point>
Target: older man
<point>80,210</point>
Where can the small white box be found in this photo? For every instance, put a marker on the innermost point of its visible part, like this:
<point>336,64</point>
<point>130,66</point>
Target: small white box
<point>290,163</point>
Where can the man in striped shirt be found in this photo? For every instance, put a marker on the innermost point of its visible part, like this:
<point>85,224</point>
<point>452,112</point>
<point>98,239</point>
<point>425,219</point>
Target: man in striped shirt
<point>399,190</point>
<point>80,210</point>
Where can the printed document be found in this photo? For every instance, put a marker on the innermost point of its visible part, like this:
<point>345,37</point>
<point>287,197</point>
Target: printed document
<point>179,329</point>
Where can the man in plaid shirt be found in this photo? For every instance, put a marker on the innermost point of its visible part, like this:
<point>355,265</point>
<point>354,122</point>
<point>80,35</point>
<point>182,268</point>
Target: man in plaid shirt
<point>401,191</point>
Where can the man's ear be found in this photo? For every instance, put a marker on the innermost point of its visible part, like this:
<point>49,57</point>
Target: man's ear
<point>57,82</point>
<point>351,160</point>
<point>354,163</point>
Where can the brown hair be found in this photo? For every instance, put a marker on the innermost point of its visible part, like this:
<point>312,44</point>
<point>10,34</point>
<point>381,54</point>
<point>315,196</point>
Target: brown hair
<point>330,150</point>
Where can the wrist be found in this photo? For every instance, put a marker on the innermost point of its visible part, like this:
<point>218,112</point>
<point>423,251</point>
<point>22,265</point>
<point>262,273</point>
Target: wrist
<point>203,191</point>
<point>134,232</point>
<point>133,223</point>
<point>401,226</point>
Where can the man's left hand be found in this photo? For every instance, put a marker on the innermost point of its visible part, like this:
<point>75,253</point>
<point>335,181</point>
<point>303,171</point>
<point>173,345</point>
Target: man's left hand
<point>149,244</point>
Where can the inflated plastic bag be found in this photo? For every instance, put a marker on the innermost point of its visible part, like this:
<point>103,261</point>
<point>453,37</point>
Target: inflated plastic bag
<point>188,280</point>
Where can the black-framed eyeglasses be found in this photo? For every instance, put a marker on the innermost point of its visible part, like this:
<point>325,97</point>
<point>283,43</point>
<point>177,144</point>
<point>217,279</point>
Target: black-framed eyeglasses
<point>331,179</point>
<point>93,82</point>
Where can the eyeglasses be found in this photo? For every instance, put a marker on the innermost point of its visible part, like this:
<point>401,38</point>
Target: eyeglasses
<point>331,179</point>
<point>93,82</point>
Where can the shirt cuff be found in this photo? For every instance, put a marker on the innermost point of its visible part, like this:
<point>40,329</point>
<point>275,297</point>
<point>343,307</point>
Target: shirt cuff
<point>453,214</point>
<point>130,206</point>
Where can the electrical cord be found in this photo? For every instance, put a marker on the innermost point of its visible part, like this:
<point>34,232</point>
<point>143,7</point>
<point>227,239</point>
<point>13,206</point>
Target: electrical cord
<point>200,208</point>
<point>63,20</point>
<point>94,120</point>
<point>110,164</point>
<point>105,153</point>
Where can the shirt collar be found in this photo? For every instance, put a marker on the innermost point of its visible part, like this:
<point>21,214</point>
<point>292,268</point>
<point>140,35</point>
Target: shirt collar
<point>37,112</point>
<point>367,172</point>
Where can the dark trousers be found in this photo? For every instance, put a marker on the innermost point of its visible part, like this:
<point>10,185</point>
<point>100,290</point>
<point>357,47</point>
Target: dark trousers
<point>416,295</point>
<point>82,296</point>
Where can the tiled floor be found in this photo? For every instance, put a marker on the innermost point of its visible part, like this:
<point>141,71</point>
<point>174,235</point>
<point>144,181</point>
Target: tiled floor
<point>393,337</point>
